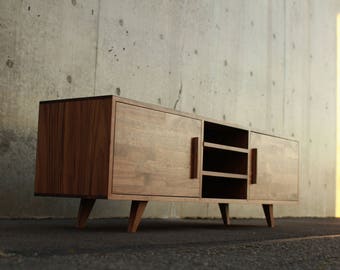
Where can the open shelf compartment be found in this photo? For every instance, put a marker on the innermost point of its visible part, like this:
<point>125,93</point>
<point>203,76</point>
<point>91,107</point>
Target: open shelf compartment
<point>225,161</point>
<point>224,188</point>
<point>225,135</point>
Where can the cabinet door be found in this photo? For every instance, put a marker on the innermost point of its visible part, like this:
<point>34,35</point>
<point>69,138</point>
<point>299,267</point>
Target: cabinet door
<point>276,170</point>
<point>155,153</point>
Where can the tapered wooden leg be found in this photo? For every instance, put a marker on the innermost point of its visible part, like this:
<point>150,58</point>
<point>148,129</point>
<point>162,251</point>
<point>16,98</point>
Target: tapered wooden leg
<point>136,212</point>
<point>268,211</point>
<point>224,208</point>
<point>85,208</point>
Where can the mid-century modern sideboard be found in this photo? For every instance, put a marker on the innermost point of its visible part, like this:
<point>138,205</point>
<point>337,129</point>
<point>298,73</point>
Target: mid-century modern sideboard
<point>113,148</point>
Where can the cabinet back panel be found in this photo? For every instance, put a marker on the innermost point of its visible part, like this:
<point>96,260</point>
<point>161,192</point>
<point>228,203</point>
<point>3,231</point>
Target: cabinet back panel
<point>73,147</point>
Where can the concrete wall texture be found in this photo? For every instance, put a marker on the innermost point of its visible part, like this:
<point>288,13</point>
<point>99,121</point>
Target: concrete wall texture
<point>265,64</point>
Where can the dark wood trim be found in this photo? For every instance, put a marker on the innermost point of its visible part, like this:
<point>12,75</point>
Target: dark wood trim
<point>73,148</point>
<point>253,164</point>
<point>85,208</point>
<point>224,209</point>
<point>70,195</point>
<point>136,212</point>
<point>76,99</point>
<point>194,158</point>
<point>269,213</point>
<point>112,143</point>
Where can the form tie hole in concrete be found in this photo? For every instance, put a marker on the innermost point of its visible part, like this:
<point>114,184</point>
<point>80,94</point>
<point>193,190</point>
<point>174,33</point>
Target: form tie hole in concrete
<point>121,22</point>
<point>69,78</point>
<point>118,91</point>
<point>74,2</point>
<point>9,63</point>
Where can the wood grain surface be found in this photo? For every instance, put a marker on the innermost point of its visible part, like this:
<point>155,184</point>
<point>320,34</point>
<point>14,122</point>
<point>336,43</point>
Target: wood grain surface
<point>269,214</point>
<point>152,152</point>
<point>224,209</point>
<point>136,213</point>
<point>277,168</point>
<point>110,147</point>
<point>73,152</point>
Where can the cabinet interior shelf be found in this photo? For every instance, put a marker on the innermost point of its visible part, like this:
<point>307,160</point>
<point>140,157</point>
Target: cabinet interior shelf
<point>225,147</point>
<point>225,175</point>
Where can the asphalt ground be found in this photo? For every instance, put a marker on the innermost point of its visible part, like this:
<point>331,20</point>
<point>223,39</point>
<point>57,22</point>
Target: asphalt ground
<point>295,243</point>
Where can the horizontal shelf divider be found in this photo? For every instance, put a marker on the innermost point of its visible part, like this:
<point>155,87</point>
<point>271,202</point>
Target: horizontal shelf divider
<point>225,147</point>
<point>225,175</point>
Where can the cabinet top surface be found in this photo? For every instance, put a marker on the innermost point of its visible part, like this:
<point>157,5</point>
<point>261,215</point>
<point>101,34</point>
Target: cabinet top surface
<point>167,110</point>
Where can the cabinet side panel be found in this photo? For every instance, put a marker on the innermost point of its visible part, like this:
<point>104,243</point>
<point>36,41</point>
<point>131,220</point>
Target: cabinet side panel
<point>49,165</point>
<point>73,147</point>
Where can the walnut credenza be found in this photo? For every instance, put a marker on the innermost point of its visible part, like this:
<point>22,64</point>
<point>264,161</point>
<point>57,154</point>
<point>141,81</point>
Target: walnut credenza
<point>113,148</point>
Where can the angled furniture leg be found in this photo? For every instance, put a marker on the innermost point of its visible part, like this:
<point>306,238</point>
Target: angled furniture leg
<point>224,208</point>
<point>85,208</point>
<point>268,211</point>
<point>136,212</point>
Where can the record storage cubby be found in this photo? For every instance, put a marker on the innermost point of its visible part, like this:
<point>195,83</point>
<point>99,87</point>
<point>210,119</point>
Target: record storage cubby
<point>225,162</point>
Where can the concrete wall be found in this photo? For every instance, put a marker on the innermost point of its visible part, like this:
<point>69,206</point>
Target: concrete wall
<point>265,64</point>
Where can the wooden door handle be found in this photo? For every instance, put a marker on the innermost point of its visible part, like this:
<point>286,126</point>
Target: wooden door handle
<point>253,160</point>
<point>194,158</point>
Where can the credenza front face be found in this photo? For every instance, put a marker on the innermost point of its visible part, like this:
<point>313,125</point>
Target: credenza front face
<point>153,152</point>
<point>277,168</point>
<point>115,148</point>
